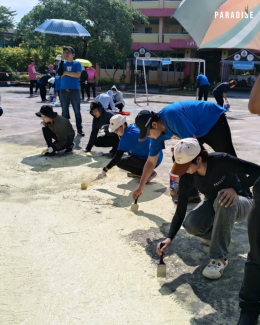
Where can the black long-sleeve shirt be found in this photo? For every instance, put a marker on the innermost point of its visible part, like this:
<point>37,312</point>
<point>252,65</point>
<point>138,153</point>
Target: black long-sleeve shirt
<point>221,174</point>
<point>222,88</point>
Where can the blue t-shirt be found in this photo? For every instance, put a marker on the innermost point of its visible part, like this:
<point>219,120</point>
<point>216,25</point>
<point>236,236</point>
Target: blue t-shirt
<point>69,82</point>
<point>57,82</point>
<point>203,80</point>
<point>184,120</point>
<point>129,143</point>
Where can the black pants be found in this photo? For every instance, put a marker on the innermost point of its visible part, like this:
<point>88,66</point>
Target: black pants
<point>93,86</point>
<point>219,98</point>
<point>83,88</point>
<point>32,83</point>
<point>132,164</point>
<point>120,107</point>
<point>204,91</point>
<point>108,141</point>
<point>219,137</point>
<point>49,136</point>
<point>250,290</point>
<point>42,91</point>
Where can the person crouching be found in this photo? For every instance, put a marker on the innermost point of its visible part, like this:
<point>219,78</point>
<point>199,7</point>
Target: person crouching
<point>57,128</point>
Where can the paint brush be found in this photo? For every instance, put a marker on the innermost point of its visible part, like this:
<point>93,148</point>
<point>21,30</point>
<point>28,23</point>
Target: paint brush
<point>135,206</point>
<point>161,267</point>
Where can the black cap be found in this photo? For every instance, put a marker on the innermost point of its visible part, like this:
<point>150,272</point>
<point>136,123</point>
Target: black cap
<point>143,121</point>
<point>71,49</point>
<point>46,110</point>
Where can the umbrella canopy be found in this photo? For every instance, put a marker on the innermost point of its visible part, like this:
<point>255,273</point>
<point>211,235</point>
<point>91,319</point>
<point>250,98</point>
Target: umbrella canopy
<point>62,27</point>
<point>221,23</point>
<point>84,63</point>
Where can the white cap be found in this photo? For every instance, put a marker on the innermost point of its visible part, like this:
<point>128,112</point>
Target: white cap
<point>58,57</point>
<point>185,151</point>
<point>115,122</point>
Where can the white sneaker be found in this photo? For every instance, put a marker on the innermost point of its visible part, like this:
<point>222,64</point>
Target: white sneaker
<point>154,174</point>
<point>215,269</point>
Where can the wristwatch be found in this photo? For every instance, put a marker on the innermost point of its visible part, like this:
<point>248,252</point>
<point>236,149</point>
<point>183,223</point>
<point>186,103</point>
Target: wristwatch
<point>238,188</point>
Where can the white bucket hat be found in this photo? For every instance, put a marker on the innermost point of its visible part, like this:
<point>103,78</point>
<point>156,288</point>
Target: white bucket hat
<point>115,122</point>
<point>58,57</point>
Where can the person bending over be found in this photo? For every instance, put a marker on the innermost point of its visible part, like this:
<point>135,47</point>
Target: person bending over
<point>137,151</point>
<point>226,200</point>
<point>100,136</point>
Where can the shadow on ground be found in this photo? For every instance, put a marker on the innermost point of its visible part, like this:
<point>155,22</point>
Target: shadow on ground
<point>40,163</point>
<point>211,302</point>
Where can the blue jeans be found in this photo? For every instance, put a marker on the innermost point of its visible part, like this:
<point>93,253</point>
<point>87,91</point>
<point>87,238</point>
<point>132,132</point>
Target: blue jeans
<point>73,97</point>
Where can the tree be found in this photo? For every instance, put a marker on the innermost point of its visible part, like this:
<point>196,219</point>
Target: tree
<point>6,19</point>
<point>110,23</point>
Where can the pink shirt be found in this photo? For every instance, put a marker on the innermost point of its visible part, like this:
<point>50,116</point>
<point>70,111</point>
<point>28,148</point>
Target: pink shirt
<point>92,73</point>
<point>32,72</point>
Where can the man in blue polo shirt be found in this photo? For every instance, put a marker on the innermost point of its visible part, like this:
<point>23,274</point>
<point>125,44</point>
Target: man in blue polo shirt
<point>203,86</point>
<point>204,120</point>
<point>70,72</point>
<point>137,151</point>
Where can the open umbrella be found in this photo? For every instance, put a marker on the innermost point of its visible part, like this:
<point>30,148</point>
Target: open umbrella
<point>62,27</point>
<point>84,63</point>
<point>221,23</point>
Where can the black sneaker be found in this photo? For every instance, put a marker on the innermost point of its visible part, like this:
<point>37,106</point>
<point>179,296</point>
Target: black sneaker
<point>192,199</point>
<point>81,133</point>
<point>70,148</point>
<point>248,320</point>
<point>50,154</point>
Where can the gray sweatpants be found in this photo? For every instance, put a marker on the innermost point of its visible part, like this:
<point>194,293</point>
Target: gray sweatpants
<point>210,220</point>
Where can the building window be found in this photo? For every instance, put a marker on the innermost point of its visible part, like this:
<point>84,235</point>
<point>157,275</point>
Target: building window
<point>154,21</point>
<point>148,30</point>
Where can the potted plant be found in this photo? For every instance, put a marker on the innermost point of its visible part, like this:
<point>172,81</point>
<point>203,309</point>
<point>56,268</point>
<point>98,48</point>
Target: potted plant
<point>122,81</point>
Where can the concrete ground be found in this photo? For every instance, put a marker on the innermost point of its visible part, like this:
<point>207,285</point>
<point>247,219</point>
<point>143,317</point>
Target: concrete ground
<point>82,257</point>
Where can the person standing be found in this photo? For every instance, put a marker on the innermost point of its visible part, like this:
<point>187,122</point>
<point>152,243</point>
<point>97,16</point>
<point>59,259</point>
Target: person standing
<point>58,128</point>
<point>83,82</point>
<point>92,75</point>
<point>249,295</point>
<point>137,151</point>
<point>117,97</point>
<point>57,78</point>
<point>70,72</point>
<point>203,86</point>
<point>221,91</point>
<point>32,76</point>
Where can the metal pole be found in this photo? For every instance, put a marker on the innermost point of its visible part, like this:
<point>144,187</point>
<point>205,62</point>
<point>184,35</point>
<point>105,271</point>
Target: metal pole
<point>145,83</point>
<point>161,74</point>
<point>222,71</point>
<point>135,77</point>
<point>174,71</point>
<point>168,76</point>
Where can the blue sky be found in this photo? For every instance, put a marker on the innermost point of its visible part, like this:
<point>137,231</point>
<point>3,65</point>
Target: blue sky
<point>22,7</point>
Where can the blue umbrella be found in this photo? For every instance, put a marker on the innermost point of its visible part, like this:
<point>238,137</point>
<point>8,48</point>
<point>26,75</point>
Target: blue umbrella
<point>62,27</point>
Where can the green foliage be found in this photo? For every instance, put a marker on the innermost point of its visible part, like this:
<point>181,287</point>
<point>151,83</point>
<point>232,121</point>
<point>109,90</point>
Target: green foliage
<point>5,68</point>
<point>6,19</point>
<point>104,81</point>
<point>110,23</point>
<point>122,78</point>
<point>24,77</point>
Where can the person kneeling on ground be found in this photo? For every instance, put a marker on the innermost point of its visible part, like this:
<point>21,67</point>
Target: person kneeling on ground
<point>100,123</point>
<point>226,200</point>
<point>106,101</point>
<point>117,97</point>
<point>58,128</point>
<point>138,152</point>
